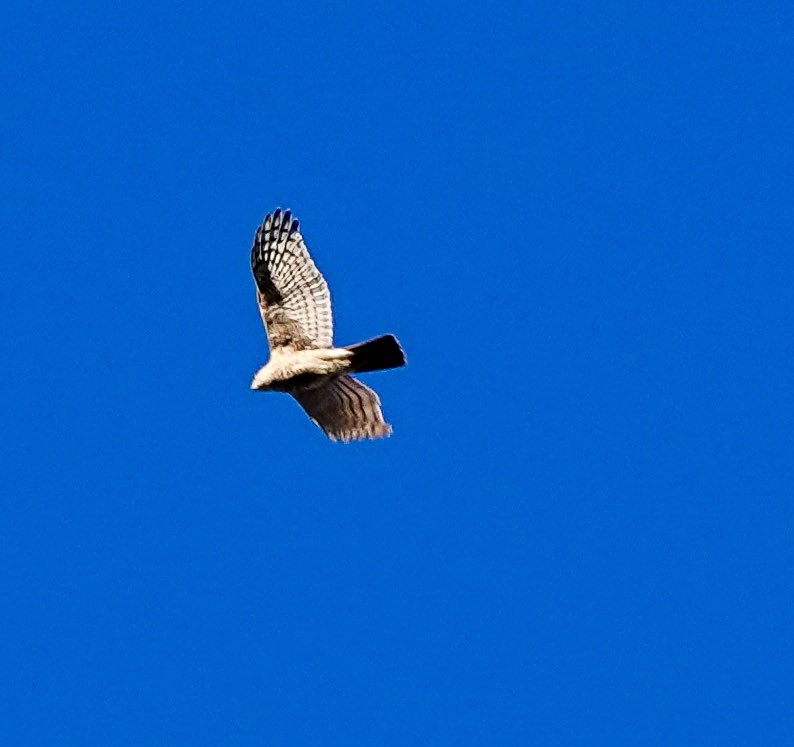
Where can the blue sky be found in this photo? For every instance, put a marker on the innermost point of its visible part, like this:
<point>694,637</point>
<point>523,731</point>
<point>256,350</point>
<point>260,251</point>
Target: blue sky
<point>576,218</point>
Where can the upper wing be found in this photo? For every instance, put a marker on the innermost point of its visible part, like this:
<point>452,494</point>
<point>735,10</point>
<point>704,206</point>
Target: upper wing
<point>293,296</point>
<point>345,409</point>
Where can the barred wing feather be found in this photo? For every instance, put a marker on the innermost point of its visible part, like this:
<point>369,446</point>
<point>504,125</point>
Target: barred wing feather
<point>345,409</point>
<point>293,296</point>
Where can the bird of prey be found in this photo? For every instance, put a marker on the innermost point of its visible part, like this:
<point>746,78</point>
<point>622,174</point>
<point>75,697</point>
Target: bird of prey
<point>295,306</point>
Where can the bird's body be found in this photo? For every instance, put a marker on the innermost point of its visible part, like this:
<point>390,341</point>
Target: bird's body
<point>288,370</point>
<point>295,306</point>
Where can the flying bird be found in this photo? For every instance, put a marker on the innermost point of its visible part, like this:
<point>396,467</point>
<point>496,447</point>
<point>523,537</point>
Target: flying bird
<point>295,306</point>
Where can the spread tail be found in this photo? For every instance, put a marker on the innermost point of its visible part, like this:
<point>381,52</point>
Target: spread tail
<point>375,355</point>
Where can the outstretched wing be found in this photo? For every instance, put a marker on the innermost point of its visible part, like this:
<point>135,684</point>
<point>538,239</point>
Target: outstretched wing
<point>345,409</point>
<point>293,296</point>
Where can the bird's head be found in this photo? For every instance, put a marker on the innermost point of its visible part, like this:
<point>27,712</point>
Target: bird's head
<point>262,379</point>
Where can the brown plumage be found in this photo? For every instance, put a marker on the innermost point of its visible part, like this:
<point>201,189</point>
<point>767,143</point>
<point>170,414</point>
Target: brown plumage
<point>295,306</point>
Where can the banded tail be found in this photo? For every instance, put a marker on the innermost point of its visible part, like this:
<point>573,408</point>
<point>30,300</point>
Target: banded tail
<point>376,355</point>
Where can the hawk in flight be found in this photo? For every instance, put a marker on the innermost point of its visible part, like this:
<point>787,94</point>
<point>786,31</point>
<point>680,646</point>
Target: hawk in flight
<point>296,310</point>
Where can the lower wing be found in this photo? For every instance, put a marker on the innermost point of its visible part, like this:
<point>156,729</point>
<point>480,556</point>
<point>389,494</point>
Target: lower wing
<point>345,409</point>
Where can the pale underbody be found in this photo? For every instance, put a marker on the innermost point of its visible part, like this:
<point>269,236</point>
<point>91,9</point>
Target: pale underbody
<point>289,368</point>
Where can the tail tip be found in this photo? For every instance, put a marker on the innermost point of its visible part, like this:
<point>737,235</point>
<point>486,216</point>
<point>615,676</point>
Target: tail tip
<point>378,354</point>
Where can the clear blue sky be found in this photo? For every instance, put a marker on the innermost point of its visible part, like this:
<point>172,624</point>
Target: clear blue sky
<point>576,217</point>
